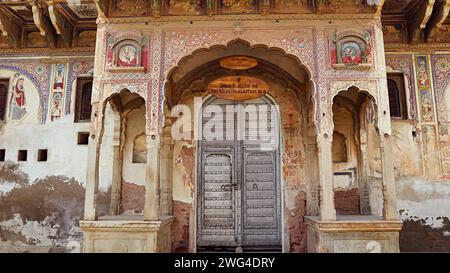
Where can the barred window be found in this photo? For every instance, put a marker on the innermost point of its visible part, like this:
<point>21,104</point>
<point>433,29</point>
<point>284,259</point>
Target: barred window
<point>3,98</point>
<point>397,100</point>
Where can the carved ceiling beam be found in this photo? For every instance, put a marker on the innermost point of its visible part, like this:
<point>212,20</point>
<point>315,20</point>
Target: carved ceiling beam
<point>440,14</point>
<point>61,24</point>
<point>418,19</point>
<point>42,21</point>
<point>10,29</point>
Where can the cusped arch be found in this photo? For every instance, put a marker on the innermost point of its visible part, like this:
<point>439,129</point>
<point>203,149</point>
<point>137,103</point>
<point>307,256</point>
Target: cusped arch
<point>278,57</point>
<point>355,105</point>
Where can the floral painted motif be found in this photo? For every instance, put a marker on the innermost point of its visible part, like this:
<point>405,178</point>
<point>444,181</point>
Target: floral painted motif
<point>441,74</point>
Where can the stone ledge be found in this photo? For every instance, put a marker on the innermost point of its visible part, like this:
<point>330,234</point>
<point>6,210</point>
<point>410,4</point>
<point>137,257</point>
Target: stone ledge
<point>127,225</point>
<point>125,69</point>
<point>354,224</point>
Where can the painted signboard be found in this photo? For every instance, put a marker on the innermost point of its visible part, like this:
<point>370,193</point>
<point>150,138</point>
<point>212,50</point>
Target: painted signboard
<point>238,62</point>
<point>238,88</point>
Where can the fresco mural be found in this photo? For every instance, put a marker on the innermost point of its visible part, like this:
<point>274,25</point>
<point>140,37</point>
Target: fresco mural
<point>57,95</point>
<point>18,98</point>
<point>351,49</point>
<point>425,89</point>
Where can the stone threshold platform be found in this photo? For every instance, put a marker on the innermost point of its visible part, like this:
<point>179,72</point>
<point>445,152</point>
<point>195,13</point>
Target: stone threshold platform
<point>353,234</point>
<point>127,234</point>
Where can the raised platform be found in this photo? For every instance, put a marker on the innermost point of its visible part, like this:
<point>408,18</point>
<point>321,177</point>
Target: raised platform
<point>353,234</point>
<point>130,234</point>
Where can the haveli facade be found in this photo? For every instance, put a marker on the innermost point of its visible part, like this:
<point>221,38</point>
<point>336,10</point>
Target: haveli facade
<point>89,161</point>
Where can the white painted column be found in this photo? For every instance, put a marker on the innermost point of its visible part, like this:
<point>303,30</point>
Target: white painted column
<point>167,172</point>
<point>385,131</point>
<point>96,129</point>
<point>116,184</point>
<point>152,179</point>
<point>92,176</point>
<point>327,210</point>
<point>389,192</point>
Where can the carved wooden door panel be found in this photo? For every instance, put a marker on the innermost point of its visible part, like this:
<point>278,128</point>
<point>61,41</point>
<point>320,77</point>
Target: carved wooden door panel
<point>238,191</point>
<point>260,191</point>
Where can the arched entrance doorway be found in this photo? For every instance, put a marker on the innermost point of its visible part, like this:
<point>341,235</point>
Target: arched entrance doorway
<point>238,184</point>
<point>229,194</point>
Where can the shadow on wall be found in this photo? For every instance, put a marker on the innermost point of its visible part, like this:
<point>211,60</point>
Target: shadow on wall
<point>42,216</point>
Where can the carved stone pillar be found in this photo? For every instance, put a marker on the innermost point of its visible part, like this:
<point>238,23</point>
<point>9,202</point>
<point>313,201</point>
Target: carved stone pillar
<point>167,172</point>
<point>152,179</point>
<point>363,167</point>
<point>327,210</point>
<point>116,186</point>
<point>312,173</point>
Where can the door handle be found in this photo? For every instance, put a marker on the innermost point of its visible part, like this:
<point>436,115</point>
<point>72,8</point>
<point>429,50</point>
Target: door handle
<point>224,187</point>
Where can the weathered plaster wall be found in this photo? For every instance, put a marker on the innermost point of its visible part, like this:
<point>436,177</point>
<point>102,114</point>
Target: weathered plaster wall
<point>41,202</point>
<point>424,206</point>
<point>41,215</point>
<point>421,143</point>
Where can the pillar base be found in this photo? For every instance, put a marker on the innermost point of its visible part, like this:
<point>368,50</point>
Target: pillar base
<point>353,234</point>
<point>117,234</point>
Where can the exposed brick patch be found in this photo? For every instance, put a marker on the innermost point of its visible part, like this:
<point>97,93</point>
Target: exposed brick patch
<point>297,225</point>
<point>133,197</point>
<point>180,227</point>
<point>347,202</point>
<point>415,236</point>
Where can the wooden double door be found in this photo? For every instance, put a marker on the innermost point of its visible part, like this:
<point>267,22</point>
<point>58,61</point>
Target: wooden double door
<point>238,191</point>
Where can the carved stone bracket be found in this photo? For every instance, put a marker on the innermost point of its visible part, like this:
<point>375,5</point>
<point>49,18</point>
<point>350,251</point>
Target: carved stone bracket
<point>9,28</point>
<point>62,26</point>
<point>417,21</point>
<point>442,9</point>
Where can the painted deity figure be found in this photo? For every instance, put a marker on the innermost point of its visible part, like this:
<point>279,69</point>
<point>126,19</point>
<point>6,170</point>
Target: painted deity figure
<point>351,54</point>
<point>127,56</point>
<point>18,101</point>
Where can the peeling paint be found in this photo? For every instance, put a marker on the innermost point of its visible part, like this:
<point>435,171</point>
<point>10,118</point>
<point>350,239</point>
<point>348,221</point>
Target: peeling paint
<point>297,225</point>
<point>43,216</point>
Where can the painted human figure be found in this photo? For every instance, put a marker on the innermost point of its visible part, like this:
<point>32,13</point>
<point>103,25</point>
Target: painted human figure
<point>18,100</point>
<point>423,75</point>
<point>59,77</point>
<point>427,106</point>
<point>56,107</point>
